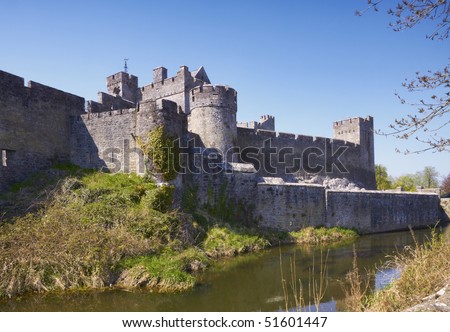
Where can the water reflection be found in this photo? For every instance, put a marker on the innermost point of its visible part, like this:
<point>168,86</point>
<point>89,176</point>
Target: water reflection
<point>247,283</point>
<point>385,276</point>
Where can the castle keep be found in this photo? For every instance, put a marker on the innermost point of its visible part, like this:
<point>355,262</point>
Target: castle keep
<point>265,175</point>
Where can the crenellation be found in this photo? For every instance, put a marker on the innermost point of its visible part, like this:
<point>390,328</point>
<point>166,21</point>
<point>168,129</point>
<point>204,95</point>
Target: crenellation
<point>159,74</point>
<point>266,122</point>
<point>286,135</point>
<point>305,138</point>
<point>266,133</point>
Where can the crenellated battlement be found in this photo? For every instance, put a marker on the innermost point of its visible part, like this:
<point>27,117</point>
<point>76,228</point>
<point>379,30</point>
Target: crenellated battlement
<point>266,122</point>
<point>353,121</point>
<point>34,93</point>
<point>222,90</point>
<point>289,138</point>
<point>210,95</point>
<point>267,117</point>
<point>97,115</point>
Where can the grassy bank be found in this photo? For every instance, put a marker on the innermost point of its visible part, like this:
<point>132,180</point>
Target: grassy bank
<point>70,228</point>
<point>425,269</point>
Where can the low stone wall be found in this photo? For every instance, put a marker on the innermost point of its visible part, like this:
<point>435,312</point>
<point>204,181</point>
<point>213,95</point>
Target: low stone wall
<point>290,207</point>
<point>375,211</point>
<point>246,198</point>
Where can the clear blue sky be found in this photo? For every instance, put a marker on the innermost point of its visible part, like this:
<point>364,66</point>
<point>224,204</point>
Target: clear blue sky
<point>305,62</point>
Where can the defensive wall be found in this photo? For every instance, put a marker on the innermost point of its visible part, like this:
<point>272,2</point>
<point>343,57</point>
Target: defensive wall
<point>377,211</point>
<point>301,154</point>
<point>291,206</point>
<point>108,140</point>
<point>34,127</point>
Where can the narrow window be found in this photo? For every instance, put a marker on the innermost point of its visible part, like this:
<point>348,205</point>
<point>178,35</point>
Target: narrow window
<point>4,159</point>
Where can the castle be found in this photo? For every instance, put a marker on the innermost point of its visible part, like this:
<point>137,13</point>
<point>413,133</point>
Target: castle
<point>260,172</point>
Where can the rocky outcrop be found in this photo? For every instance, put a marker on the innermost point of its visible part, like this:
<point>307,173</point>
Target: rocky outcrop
<point>437,302</point>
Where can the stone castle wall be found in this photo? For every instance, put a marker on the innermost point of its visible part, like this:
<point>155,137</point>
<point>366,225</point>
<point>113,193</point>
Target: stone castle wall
<point>40,125</point>
<point>174,88</point>
<point>34,127</point>
<point>375,211</point>
<point>290,207</point>
<point>290,149</point>
<point>109,139</point>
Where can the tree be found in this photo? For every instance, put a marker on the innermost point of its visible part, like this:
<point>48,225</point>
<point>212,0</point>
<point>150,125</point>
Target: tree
<point>428,178</point>
<point>445,187</point>
<point>428,124</point>
<point>406,182</point>
<point>381,177</point>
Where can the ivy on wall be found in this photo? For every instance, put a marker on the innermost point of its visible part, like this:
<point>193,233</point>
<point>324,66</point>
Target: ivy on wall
<point>163,154</point>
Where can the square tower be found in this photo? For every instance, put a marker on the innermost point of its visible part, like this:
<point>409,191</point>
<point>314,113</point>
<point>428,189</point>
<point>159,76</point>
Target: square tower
<point>124,85</point>
<point>358,131</point>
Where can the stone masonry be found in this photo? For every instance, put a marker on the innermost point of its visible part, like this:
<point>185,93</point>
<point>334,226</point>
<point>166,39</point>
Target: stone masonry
<point>40,126</point>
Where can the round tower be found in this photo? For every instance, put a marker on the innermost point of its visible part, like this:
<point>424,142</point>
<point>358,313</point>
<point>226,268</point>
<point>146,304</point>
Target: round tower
<point>213,116</point>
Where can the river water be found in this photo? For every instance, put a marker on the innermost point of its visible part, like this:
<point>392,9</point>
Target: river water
<point>251,282</point>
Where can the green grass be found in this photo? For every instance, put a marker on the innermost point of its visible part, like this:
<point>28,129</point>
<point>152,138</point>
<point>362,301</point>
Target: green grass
<point>226,241</point>
<point>323,235</point>
<point>167,272</point>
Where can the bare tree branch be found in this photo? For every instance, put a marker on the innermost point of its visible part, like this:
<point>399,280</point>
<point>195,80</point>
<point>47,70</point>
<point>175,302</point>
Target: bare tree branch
<point>431,119</point>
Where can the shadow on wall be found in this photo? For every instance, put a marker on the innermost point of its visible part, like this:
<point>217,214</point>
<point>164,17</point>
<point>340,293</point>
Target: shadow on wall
<point>85,152</point>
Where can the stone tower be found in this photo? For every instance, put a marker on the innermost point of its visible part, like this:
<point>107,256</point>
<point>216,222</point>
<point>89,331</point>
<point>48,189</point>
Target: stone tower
<point>124,85</point>
<point>359,131</point>
<point>213,116</point>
